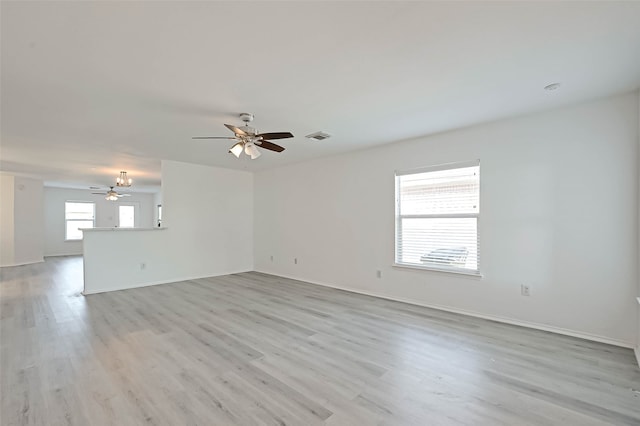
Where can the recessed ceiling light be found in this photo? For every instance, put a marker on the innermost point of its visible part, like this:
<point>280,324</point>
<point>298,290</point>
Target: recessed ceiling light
<point>552,87</point>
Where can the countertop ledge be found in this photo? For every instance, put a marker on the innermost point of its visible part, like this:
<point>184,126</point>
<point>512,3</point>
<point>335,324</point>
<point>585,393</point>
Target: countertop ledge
<point>121,229</point>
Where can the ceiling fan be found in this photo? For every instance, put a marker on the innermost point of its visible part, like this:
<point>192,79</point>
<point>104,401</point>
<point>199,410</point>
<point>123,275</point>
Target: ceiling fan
<point>248,139</point>
<point>111,195</point>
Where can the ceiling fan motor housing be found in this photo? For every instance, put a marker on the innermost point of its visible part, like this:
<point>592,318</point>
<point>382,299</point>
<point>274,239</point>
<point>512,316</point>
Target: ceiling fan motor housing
<point>249,130</point>
<point>247,118</point>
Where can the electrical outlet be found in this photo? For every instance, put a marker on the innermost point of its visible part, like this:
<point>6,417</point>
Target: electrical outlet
<point>525,290</point>
<point>379,273</point>
<point>295,260</point>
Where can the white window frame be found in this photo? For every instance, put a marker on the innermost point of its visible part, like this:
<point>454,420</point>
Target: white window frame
<point>399,217</point>
<point>66,221</point>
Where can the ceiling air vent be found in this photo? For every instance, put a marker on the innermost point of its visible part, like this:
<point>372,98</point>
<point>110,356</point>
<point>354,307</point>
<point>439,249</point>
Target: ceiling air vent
<point>318,136</point>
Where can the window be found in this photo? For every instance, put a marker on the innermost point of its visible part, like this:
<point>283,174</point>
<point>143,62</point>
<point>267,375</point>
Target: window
<point>126,216</point>
<point>437,211</point>
<point>159,215</point>
<point>78,215</point>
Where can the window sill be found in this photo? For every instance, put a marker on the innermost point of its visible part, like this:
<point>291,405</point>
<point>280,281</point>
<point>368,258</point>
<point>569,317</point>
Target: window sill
<point>73,241</point>
<point>456,271</point>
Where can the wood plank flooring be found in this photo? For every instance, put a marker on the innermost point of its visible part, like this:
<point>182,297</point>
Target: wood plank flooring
<point>254,349</point>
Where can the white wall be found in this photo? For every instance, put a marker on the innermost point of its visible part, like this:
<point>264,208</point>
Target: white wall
<point>28,221</point>
<point>637,350</point>
<point>6,220</point>
<point>559,194</point>
<point>208,215</point>
<point>106,216</point>
<point>21,220</point>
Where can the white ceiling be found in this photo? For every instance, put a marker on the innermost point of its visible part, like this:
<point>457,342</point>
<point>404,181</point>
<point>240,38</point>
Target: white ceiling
<point>90,88</point>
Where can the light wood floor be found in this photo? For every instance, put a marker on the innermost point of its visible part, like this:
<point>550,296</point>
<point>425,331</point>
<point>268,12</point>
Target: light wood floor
<point>253,349</point>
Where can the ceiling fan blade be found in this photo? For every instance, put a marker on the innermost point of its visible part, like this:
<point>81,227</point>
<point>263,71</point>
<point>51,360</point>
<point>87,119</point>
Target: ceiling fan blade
<point>236,130</point>
<point>211,137</point>
<point>270,146</point>
<point>99,193</point>
<point>123,195</point>
<point>277,135</point>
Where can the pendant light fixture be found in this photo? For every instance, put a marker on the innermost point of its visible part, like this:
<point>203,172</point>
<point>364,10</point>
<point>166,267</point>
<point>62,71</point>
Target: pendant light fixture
<point>123,180</point>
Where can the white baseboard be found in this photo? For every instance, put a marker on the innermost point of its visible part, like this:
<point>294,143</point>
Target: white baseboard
<point>506,320</point>
<point>63,255</point>
<point>30,262</point>
<point>169,281</point>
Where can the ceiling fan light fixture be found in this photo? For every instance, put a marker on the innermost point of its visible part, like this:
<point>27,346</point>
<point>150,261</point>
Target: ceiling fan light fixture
<point>251,150</point>
<point>111,196</point>
<point>123,180</point>
<point>236,149</point>
<point>247,148</point>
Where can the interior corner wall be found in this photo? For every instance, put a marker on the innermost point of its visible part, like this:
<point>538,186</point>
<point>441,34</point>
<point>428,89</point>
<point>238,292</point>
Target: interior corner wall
<point>106,216</point>
<point>208,213</point>
<point>208,216</point>
<point>559,197</point>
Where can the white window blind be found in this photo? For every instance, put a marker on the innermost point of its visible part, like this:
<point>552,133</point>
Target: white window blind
<point>78,215</point>
<point>437,211</point>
